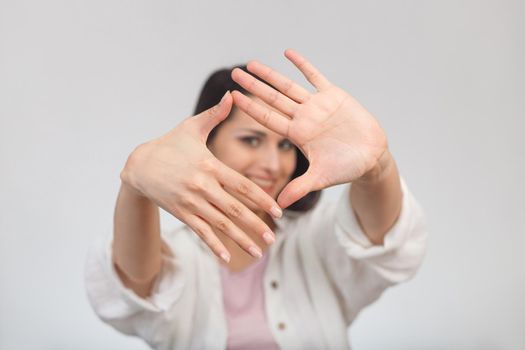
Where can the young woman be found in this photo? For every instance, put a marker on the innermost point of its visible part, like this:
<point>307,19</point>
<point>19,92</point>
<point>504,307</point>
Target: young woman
<point>242,274</point>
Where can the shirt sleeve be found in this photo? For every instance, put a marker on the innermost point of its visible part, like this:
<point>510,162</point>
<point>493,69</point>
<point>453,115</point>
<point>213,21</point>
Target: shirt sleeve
<point>404,244</point>
<point>120,306</point>
<point>360,270</point>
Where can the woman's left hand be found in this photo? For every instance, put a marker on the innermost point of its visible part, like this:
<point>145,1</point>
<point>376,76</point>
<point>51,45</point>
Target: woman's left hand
<point>342,141</point>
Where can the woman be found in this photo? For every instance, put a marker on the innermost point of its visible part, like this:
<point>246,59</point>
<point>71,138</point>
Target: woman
<point>238,276</point>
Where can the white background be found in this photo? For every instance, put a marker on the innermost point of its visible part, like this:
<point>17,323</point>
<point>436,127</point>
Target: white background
<point>83,82</point>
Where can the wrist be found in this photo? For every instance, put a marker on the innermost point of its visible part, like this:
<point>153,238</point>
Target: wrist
<point>377,173</point>
<point>130,191</point>
<point>128,175</point>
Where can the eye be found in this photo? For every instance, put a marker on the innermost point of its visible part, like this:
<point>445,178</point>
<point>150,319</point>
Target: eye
<point>252,141</point>
<point>286,145</point>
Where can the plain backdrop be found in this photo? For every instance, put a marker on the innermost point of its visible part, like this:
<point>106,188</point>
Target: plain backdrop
<point>84,82</point>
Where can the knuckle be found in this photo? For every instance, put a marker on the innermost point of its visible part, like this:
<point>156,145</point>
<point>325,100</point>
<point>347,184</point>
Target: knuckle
<point>213,111</point>
<point>188,202</point>
<point>287,86</point>
<point>234,210</point>
<point>272,98</point>
<point>246,243</point>
<point>252,84</point>
<point>250,105</point>
<point>199,231</point>
<point>204,234</point>
<point>198,183</point>
<point>269,74</point>
<point>214,244</point>
<point>266,117</point>
<point>174,210</point>
<point>243,188</point>
<point>294,111</point>
<point>208,165</point>
<point>222,226</point>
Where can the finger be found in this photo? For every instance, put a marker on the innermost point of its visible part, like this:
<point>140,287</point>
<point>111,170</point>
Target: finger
<point>297,189</point>
<point>309,71</point>
<point>264,115</point>
<point>220,222</point>
<point>264,92</point>
<point>239,214</point>
<point>240,186</point>
<point>204,231</point>
<point>285,85</point>
<point>211,117</point>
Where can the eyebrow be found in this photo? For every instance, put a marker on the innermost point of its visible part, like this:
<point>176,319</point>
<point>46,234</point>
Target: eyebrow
<point>259,133</point>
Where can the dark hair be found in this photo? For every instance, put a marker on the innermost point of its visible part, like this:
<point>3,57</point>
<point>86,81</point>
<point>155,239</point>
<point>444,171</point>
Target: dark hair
<point>215,87</point>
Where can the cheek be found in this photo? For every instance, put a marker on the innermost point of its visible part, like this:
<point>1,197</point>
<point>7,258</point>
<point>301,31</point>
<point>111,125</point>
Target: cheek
<point>289,164</point>
<point>236,157</point>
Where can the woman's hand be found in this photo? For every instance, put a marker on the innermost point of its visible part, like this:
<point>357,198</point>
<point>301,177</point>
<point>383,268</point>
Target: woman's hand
<point>178,173</point>
<point>340,138</point>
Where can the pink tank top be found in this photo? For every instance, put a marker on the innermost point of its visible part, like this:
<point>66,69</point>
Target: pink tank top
<point>243,298</point>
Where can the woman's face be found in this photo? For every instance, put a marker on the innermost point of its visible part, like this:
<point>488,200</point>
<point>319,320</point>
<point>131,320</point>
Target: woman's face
<point>259,154</point>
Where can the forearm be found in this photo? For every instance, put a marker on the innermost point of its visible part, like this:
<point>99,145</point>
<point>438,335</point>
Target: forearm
<point>377,198</point>
<point>137,243</point>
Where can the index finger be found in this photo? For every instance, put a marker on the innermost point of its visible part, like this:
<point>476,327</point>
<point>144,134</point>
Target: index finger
<point>240,185</point>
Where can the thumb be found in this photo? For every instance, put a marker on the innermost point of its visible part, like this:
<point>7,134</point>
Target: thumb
<point>297,189</point>
<point>211,117</point>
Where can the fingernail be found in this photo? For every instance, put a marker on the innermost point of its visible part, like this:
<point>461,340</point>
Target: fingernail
<point>256,252</point>
<point>225,257</point>
<point>268,238</point>
<point>276,212</point>
<point>223,97</point>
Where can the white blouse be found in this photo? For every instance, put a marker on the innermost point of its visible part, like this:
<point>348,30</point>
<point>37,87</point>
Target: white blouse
<point>322,271</point>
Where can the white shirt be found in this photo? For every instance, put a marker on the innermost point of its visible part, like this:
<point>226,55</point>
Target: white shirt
<point>322,271</point>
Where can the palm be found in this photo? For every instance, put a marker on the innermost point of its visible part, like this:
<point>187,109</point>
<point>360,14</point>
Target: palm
<point>340,145</point>
<point>340,138</point>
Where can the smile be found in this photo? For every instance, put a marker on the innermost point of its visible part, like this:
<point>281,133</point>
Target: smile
<point>265,184</point>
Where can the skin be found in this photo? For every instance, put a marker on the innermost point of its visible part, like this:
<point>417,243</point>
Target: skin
<point>262,156</point>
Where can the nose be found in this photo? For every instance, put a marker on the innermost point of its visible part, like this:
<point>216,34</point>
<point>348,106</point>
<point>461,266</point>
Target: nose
<point>270,159</point>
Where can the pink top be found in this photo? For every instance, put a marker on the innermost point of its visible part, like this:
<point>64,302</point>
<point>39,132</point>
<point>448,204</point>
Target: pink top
<point>243,297</point>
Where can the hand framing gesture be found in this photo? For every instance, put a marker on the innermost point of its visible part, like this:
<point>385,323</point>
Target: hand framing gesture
<point>339,137</point>
<point>178,173</point>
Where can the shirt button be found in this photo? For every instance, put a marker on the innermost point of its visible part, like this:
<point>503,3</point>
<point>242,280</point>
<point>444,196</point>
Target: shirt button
<point>281,326</point>
<point>274,284</point>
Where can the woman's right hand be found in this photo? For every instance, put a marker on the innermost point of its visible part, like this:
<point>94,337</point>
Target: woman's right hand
<point>179,174</point>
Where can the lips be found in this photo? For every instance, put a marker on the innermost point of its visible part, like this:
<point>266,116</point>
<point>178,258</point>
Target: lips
<point>266,184</point>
